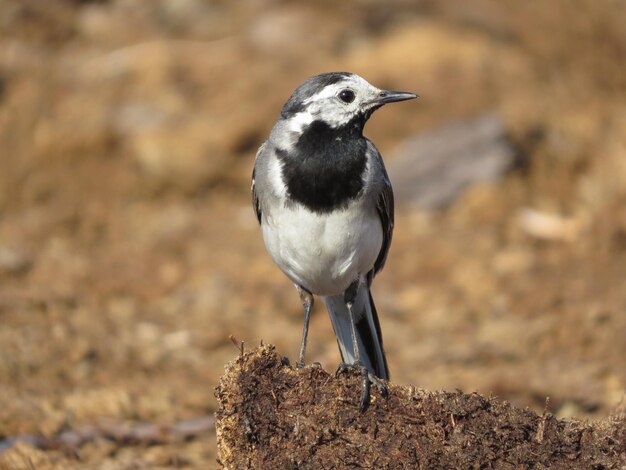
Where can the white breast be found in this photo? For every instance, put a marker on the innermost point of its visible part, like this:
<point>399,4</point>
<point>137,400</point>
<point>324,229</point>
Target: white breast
<point>324,253</point>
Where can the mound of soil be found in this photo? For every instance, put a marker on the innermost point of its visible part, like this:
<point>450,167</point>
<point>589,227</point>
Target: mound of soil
<point>275,416</point>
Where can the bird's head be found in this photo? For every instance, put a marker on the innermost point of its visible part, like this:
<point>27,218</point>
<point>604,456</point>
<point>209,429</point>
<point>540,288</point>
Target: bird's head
<point>337,99</point>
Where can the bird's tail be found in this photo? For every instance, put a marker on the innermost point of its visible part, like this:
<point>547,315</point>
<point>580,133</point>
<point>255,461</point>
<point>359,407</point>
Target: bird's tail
<point>369,338</point>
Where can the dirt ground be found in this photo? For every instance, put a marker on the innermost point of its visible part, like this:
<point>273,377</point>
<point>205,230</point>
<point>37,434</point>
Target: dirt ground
<point>129,251</point>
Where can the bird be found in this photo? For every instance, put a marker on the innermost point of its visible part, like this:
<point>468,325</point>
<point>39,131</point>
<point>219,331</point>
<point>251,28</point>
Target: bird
<point>325,206</point>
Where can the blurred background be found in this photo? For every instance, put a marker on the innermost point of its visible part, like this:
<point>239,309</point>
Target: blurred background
<point>129,251</point>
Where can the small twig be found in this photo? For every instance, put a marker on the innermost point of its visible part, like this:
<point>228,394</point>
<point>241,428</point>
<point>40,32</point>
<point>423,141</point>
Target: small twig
<point>238,344</point>
<point>542,424</point>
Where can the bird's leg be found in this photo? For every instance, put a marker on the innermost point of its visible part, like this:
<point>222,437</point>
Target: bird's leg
<point>349,298</point>
<point>367,378</point>
<point>307,302</point>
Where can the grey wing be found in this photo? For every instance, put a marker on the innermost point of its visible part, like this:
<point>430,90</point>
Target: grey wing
<point>256,204</point>
<point>255,199</point>
<point>384,207</point>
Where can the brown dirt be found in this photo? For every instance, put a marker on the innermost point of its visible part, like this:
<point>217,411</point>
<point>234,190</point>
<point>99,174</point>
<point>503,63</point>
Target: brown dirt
<point>129,252</point>
<point>275,416</point>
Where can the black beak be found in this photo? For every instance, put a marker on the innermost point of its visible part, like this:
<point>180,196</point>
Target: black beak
<point>386,96</point>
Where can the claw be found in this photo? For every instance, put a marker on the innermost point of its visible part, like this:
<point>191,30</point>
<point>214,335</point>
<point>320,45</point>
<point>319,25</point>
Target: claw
<point>365,390</point>
<point>299,365</point>
<point>368,379</point>
<point>342,369</point>
<point>380,384</point>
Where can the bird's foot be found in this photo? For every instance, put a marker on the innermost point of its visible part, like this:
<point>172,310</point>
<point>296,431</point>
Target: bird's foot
<point>367,379</point>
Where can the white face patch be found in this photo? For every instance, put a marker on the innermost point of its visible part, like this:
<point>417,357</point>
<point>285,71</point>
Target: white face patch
<point>326,106</point>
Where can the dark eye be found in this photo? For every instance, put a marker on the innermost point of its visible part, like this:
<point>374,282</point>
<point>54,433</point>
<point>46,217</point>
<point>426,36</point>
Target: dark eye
<point>347,96</point>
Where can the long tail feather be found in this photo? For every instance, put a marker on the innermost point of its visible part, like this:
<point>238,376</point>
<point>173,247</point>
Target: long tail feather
<point>368,333</point>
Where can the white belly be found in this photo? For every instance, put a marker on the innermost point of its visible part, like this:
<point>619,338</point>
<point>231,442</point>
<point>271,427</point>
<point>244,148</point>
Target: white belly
<point>324,253</point>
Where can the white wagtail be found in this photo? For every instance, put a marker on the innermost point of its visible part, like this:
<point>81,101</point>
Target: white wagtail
<point>325,204</point>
